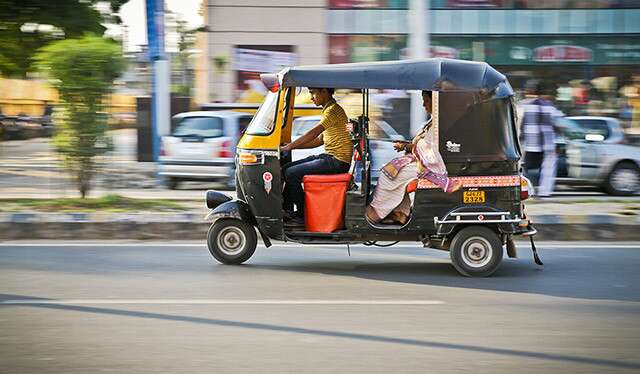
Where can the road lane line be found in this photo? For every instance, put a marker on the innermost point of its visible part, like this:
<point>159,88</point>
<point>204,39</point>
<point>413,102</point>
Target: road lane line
<point>218,302</point>
<point>541,244</point>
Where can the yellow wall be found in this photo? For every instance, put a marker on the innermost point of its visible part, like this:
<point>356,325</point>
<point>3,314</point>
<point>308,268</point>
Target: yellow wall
<point>24,96</point>
<point>29,96</point>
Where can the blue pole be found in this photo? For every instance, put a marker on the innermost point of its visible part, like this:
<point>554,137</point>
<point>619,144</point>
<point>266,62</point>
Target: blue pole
<point>157,56</point>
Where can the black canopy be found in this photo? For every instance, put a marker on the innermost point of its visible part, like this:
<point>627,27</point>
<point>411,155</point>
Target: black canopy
<point>435,74</point>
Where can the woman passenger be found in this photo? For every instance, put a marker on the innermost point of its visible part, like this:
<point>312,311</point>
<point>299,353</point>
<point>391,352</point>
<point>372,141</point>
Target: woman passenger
<point>391,202</point>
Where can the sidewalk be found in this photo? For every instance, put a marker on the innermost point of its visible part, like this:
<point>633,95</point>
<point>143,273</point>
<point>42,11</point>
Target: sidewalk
<point>580,219</point>
<point>30,169</point>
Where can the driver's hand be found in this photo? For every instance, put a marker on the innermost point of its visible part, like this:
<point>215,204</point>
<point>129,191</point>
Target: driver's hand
<point>399,146</point>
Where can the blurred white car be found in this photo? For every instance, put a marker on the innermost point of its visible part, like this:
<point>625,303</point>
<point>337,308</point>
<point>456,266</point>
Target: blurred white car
<point>381,138</point>
<point>202,146</point>
<point>596,154</point>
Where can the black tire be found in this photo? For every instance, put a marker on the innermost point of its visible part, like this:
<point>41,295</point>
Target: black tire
<point>476,251</point>
<point>624,179</point>
<point>231,241</point>
<point>172,183</point>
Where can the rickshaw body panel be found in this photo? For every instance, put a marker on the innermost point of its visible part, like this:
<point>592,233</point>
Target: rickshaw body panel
<point>259,182</point>
<point>488,119</point>
<point>264,198</point>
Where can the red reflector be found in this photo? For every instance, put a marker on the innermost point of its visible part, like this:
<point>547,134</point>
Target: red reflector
<point>225,149</point>
<point>525,187</point>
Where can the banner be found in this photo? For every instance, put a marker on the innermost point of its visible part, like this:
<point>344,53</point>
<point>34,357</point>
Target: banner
<point>496,50</point>
<point>261,60</point>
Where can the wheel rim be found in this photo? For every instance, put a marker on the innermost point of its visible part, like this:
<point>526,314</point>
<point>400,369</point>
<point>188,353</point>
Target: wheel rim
<point>231,241</point>
<point>625,180</point>
<point>476,252</point>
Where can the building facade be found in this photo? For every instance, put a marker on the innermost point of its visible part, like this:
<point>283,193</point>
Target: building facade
<point>249,37</point>
<point>560,41</point>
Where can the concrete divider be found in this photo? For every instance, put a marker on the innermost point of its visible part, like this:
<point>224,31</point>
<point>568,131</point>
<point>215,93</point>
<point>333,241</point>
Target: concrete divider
<point>191,226</point>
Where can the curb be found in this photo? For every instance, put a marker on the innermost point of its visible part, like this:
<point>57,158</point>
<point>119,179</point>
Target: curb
<point>191,226</point>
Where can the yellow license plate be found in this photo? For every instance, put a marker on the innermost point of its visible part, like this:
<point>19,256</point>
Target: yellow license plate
<point>473,197</point>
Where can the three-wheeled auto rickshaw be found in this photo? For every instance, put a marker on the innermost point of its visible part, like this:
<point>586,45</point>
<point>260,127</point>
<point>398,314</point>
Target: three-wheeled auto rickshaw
<point>474,120</point>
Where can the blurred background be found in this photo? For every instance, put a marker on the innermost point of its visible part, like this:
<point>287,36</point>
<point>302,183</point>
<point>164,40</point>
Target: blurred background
<point>583,54</point>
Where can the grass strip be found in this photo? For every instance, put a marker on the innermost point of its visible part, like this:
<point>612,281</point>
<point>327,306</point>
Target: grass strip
<point>107,203</point>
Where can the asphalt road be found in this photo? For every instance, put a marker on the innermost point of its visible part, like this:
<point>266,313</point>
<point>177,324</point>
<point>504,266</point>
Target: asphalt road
<point>168,308</point>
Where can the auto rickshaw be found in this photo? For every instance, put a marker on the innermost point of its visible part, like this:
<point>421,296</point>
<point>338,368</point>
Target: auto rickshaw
<point>474,117</point>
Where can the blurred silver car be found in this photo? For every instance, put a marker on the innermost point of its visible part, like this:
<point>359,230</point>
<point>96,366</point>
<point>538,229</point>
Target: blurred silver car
<point>381,136</point>
<point>596,154</point>
<point>202,146</point>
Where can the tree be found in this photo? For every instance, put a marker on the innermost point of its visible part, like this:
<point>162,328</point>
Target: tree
<point>83,71</point>
<point>186,42</point>
<point>27,25</point>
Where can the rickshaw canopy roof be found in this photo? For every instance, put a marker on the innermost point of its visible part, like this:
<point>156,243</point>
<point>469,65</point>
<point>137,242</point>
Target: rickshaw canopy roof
<point>433,74</point>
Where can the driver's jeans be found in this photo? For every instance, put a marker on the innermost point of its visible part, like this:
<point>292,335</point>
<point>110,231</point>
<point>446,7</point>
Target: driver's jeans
<point>295,171</point>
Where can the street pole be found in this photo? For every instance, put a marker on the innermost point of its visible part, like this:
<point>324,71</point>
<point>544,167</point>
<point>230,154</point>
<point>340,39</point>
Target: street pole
<point>160,103</point>
<point>419,48</point>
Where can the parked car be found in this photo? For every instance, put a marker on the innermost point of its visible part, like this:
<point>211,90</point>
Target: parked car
<point>23,127</point>
<point>592,151</point>
<point>381,138</point>
<point>202,146</point>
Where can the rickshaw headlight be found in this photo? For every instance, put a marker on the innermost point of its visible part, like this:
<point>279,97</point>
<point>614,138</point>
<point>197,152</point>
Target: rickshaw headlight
<point>248,158</point>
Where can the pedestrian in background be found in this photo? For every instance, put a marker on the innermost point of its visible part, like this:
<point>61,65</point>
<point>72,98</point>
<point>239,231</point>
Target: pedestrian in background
<point>537,137</point>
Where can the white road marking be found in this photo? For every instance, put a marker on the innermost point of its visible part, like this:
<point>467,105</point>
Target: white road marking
<point>219,302</point>
<point>540,244</point>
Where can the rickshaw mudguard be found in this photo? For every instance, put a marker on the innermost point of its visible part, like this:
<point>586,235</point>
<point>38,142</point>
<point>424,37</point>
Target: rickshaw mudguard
<point>214,199</point>
<point>503,221</point>
<point>236,209</point>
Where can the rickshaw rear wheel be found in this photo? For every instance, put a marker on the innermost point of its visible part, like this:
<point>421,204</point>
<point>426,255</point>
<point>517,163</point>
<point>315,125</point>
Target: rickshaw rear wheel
<point>476,251</point>
<point>231,241</point>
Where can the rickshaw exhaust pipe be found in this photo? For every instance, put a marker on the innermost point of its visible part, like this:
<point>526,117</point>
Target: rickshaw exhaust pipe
<point>215,198</point>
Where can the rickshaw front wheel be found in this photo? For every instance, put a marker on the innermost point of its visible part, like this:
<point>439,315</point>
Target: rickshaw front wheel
<point>231,241</point>
<point>476,251</point>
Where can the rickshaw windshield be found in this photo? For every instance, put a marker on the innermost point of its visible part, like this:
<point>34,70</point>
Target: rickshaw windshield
<point>264,120</point>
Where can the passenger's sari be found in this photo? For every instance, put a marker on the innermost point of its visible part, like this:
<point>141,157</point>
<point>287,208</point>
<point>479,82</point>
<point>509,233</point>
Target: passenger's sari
<point>390,193</point>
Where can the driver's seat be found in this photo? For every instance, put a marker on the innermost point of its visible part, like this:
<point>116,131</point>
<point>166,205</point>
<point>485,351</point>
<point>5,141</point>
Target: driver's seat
<point>324,201</point>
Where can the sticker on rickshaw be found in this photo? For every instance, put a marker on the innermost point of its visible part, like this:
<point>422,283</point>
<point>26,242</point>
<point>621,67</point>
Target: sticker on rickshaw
<point>453,147</point>
<point>267,178</point>
<point>473,197</point>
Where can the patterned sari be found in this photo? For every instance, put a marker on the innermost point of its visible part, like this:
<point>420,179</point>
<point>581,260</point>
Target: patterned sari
<point>390,194</point>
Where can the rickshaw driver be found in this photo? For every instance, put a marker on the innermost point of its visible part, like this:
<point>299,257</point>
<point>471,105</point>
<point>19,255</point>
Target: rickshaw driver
<point>330,131</point>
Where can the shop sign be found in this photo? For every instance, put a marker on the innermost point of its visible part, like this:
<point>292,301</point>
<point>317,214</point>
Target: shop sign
<point>434,51</point>
<point>604,50</point>
<point>251,60</point>
<point>444,52</point>
<point>562,53</point>
<point>262,61</point>
<point>502,50</point>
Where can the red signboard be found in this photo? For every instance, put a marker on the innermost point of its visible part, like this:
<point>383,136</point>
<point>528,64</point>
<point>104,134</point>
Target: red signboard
<point>562,53</point>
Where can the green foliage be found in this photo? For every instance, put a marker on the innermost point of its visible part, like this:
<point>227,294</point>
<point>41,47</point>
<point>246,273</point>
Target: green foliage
<point>186,41</point>
<point>83,71</point>
<point>109,203</point>
<point>69,18</point>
